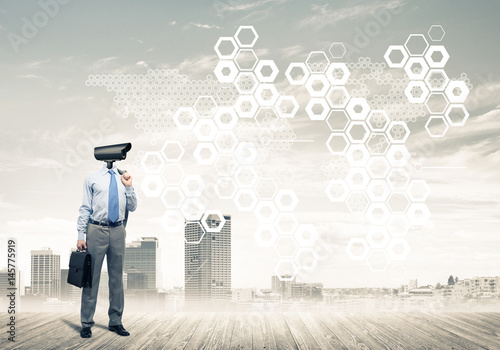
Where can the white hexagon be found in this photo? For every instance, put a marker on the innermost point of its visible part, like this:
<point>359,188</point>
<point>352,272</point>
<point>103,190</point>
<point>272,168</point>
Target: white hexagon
<point>246,106</point>
<point>398,179</point>
<point>357,202</point>
<point>378,190</point>
<point>416,91</point>
<point>455,119</point>
<point>226,71</point>
<point>226,141</point>
<point>306,259</point>
<point>266,118</point>
<point>172,151</point>
<point>317,109</point>
<point>398,202</point>
<point>286,247</point>
<point>286,223</point>
<point>249,31</point>
<point>246,59</point>
<point>221,220</point>
<point>357,155</point>
<point>185,118</point>
<point>317,85</point>
<point>226,118</point>
<point>337,120</point>
<point>398,249</point>
<point>227,54</point>
<point>225,188</point>
<point>286,200</point>
<point>338,73</point>
<point>198,226</point>
<point>317,62</point>
<point>205,106</point>
<point>172,197</point>
<point>436,103</point>
<point>337,50</point>
<point>457,91</point>
<point>392,62</point>
<point>436,32</point>
<point>358,132</point>
<point>337,143</point>
<point>358,108</point>
<point>246,177</point>
<point>266,188</point>
<point>436,126</point>
<point>416,68</point>
<point>246,83</point>
<point>418,214</point>
<point>398,155</point>
<point>378,144</point>
<point>398,132</point>
<point>337,190</point>
<point>193,208</point>
<point>266,94</point>
<point>416,44</point>
<point>205,130</point>
<point>226,165</point>
<point>418,190</point>
<point>437,79</point>
<point>306,235</point>
<point>270,65</point>
<point>356,255</point>
<point>172,174</point>
<point>357,179</point>
<point>205,153</point>
<point>433,63</point>
<point>378,237</point>
<point>297,73</point>
<point>193,185</point>
<point>287,106</point>
<point>286,270</point>
<point>152,162</point>
<point>152,185</point>
<point>172,221</point>
<point>246,153</point>
<point>266,235</point>
<point>337,97</point>
<point>378,167</point>
<point>377,260</point>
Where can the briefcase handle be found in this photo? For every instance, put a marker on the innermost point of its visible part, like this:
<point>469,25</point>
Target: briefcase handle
<point>82,250</point>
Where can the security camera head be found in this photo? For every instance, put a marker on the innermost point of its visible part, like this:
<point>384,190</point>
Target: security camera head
<point>112,153</point>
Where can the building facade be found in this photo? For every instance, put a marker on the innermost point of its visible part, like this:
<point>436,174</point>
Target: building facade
<point>141,261</point>
<point>45,273</point>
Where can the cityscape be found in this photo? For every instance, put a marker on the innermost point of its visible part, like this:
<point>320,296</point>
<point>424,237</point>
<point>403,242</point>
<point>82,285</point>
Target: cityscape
<point>207,284</point>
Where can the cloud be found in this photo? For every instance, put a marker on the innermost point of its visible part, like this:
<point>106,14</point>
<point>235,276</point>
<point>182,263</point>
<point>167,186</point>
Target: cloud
<point>251,5</point>
<point>29,76</point>
<point>137,40</point>
<point>202,26</point>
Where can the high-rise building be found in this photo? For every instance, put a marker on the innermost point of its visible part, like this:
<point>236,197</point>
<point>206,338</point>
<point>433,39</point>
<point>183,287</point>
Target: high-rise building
<point>142,257</point>
<point>207,261</point>
<point>282,286</point>
<point>45,273</point>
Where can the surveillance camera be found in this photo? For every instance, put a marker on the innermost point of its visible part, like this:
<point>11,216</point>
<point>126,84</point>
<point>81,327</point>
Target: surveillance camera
<point>112,153</point>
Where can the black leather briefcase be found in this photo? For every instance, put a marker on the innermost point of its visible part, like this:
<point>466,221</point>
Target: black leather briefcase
<point>80,269</point>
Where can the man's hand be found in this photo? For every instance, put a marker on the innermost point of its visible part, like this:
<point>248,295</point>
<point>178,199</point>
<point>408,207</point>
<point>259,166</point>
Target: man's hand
<point>81,245</point>
<point>127,179</point>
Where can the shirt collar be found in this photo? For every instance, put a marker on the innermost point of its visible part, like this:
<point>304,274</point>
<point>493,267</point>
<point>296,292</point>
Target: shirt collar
<point>104,169</point>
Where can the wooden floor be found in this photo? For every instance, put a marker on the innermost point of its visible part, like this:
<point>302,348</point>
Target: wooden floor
<point>262,331</point>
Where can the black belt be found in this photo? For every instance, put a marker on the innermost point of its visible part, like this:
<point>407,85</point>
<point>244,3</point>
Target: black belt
<point>106,224</point>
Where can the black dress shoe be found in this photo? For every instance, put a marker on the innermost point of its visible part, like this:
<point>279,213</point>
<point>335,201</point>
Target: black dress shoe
<point>119,330</point>
<point>85,332</point>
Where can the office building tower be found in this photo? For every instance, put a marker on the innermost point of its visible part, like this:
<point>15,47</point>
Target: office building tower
<point>207,261</point>
<point>142,257</point>
<point>45,273</point>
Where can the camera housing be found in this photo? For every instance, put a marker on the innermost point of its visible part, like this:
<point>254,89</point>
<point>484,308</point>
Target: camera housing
<point>112,153</point>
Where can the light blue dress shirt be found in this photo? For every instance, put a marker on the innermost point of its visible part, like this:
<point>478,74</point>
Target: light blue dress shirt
<point>96,195</point>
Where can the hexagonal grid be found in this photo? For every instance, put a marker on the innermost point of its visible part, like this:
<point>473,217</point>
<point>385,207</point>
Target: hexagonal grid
<point>246,60</point>
<point>226,118</point>
<point>456,115</point>
<point>172,221</point>
<point>152,186</point>
<point>226,71</point>
<point>219,221</point>
<point>266,188</point>
<point>286,270</point>
<point>337,190</point>
<point>306,235</point>
<point>152,162</point>
<point>437,79</point>
<point>337,120</point>
<point>398,132</point>
<point>416,91</point>
<point>353,250</point>
<point>246,83</point>
<point>378,190</point>
<point>226,141</point>
<point>172,197</point>
<point>246,106</point>
<point>317,108</point>
<point>398,155</point>
<point>358,108</point>
<point>418,214</point>
<point>266,235</point>
<point>357,155</point>
<point>416,68</point>
<point>266,117</point>
<point>317,62</point>
<point>436,126</point>
<point>398,202</point>
<point>337,143</point>
<point>226,165</point>
<point>226,48</point>
<point>225,188</point>
<point>205,153</point>
<point>193,208</point>
<point>358,132</point>
<point>287,106</point>
<point>338,73</point>
<point>437,56</point>
<point>185,118</point>
<point>357,179</point>
<point>266,71</point>
<point>297,73</point>
<point>317,85</point>
<point>286,223</point>
<point>398,249</point>
<point>205,106</point>
<point>337,50</point>
<point>337,97</point>
<point>172,174</point>
<point>416,44</point>
<point>394,62</point>
<point>378,120</point>
<point>266,94</point>
<point>436,32</point>
<point>398,179</point>
<point>457,91</point>
<point>378,237</point>
<point>357,202</point>
<point>205,130</point>
<point>246,177</point>
<point>418,190</point>
<point>172,151</point>
<point>378,144</point>
<point>436,103</point>
<point>286,200</point>
<point>192,185</point>
<point>246,36</point>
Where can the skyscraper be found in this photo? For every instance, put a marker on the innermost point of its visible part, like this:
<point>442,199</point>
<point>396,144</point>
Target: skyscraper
<point>45,273</point>
<point>141,259</point>
<point>207,261</point>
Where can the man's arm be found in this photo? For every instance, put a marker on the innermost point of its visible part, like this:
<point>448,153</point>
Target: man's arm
<point>84,213</point>
<point>129,192</point>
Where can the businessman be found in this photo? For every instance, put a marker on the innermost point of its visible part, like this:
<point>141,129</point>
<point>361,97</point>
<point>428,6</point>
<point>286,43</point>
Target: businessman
<point>106,197</point>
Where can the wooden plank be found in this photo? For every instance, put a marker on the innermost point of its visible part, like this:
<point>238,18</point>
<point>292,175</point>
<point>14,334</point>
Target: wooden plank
<point>300,332</point>
<point>262,337</point>
<point>163,329</point>
<point>204,331</point>
<point>282,335</point>
<point>335,322</point>
<point>364,323</point>
<point>143,330</point>
<point>221,336</point>
<point>241,338</point>
<point>323,335</point>
<point>184,333</point>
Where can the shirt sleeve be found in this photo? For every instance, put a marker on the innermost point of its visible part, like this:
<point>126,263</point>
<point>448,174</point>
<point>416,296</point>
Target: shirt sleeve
<point>85,209</point>
<point>131,198</point>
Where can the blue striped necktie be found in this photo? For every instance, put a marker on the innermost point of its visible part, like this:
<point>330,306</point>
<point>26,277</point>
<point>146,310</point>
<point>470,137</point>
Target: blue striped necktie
<point>113,206</point>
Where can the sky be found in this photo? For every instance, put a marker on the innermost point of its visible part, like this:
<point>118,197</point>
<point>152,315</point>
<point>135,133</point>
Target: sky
<point>50,117</point>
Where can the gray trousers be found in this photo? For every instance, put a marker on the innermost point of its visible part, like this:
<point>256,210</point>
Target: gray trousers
<point>102,241</point>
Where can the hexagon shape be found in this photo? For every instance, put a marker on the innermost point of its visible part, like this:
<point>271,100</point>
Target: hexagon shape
<point>436,126</point>
<point>172,174</point>
<point>398,249</point>
<point>416,91</point>
<point>357,179</point>
<point>416,68</point>
<point>306,235</point>
<point>358,132</point>
<point>286,270</point>
<point>377,260</point>
<point>337,190</point>
<point>317,85</point>
<point>437,56</point>
<point>357,202</point>
<point>193,209</point>
<point>398,225</point>
<point>205,130</point>
<point>185,118</point>
<point>205,153</point>
<point>287,106</point>
<point>266,94</point>
<point>457,91</point>
<point>205,106</point>
<point>225,188</point>
<point>195,239</point>
<point>317,108</point>
<point>172,197</point>
<point>337,97</point>
<point>456,115</point>
<point>286,200</point>
<point>436,32</point>
<point>436,103</point>
<point>418,191</point>
<point>152,162</point>
<point>396,56</point>
<point>246,83</point>
<point>378,120</point>
<point>246,36</point>
<point>378,190</point>
<point>317,62</point>
<point>358,108</point>
<point>358,155</point>
<point>266,117</point>
<point>216,218</point>
<point>192,185</point>
<point>378,167</point>
<point>246,60</point>
<point>226,48</point>
<point>378,237</point>
<point>337,144</point>
<point>172,221</point>
<point>398,202</point>
<point>378,144</point>
<point>398,155</point>
<point>266,188</point>
<point>416,44</point>
<point>152,185</point>
<point>357,249</point>
<point>337,120</point>
<point>398,132</point>
<point>286,247</point>
<point>398,179</point>
<point>338,73</point>
<point>418,214</point>
<point>226,71</point>
<point>378,214</point>
<point>226,165</point>
<point>246,106</point>
<point>297,73</point>
<point>226,141</point>
<point>286,223</point>
<point>266,71</point>
<point>437,79</point>
<point>172,151</point>
<point>306,259</point>
<point>266,235</point>
<point>337,50</point>
<point>226,118</point>
<point>246,153</point>
<point>246,177</point>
